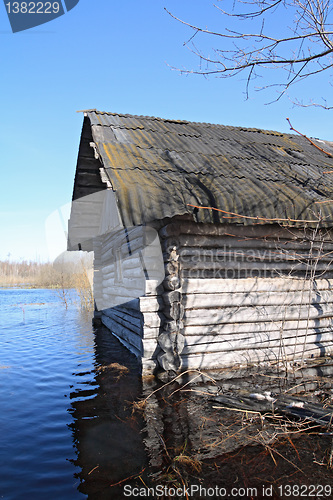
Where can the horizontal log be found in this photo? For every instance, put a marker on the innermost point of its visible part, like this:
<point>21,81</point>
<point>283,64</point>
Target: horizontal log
<point>149,273</point>
<point>235,329</point>
<point>254,272</point>
<point>201,300</point>
<point>145,304</point>
<point>252,255</point>
<point>207,361</point>
<point>303,338</point>
<point>253,284</point>
<point>252,231</point>
<point>153,287</point>
<point>150,332</point>
<point>292,265</point>
<point>255,314</point>
<point>109,301</point>
<point>230,242</point>
<point>131,311</point>
<point>288,336</point>
<point>133,342</point>
<point>134,318</point>
<point>124,319</point>
<point>153,320</point>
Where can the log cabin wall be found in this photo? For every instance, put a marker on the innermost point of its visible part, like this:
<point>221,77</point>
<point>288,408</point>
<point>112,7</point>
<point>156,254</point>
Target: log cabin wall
<point>128,300</point>
<point>238,295</point>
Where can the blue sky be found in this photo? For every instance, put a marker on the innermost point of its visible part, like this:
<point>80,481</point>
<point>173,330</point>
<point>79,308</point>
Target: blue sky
<point>112,56</point>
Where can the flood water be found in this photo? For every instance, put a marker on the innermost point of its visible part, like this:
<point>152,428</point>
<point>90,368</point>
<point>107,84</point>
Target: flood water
<point>49,397</point>
<point>69,429</point>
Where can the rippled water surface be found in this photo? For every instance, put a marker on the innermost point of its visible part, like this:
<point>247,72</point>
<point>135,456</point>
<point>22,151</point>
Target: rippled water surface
<point>48,361</point>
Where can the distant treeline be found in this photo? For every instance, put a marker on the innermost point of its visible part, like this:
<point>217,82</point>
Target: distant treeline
<point>37,274</point>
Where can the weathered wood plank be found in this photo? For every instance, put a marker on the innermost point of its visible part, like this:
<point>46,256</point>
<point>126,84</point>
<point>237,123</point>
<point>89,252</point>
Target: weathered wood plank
<point>252,231</point>
<point>230,242</point>
<point>287,266</point>
<point>201,300</point>
<point>303,338</point>
<point>269,326</point>
<point>153,320</point>
<point>255,314</point>
<point>153,287</point>
<point>253,285</point>
<point>124,319</point>
<point>133,342</point>
<point>206,361</point>
<point>287,337</point>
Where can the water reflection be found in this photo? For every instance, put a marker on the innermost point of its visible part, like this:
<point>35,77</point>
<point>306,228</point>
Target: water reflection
<point>107,436</point>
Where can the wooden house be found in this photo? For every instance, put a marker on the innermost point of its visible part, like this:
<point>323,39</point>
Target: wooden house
<point>212,244</point>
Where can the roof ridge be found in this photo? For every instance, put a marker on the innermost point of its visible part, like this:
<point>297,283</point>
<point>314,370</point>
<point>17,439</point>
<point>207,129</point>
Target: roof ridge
<point>188,122</point>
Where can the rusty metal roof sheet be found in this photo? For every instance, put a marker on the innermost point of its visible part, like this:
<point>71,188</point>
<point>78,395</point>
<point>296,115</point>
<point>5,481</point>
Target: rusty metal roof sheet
<point>159,167</point>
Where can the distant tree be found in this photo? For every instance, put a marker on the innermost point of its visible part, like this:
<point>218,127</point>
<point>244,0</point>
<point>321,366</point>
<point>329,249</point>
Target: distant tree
<point>252,42</point>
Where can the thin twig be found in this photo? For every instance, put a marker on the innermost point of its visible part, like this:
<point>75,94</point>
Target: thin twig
<point>308,139</point>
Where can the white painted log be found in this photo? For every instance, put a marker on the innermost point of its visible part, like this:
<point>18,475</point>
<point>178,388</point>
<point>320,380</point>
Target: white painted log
<point>135,283</point>
<point>150,332</point>
<point>254,314</point>
<point>153,320</point>
<point>207,361</point>
<point>145,304</point>
<point>106,269</point>
<point>153,287</point>
<point>303,338</point>
<point>255,337</point>
<point>134,273</point>
<point>150,344</point>
<point>252,285</point>
<point>153,274</point>
<point>191,301</point>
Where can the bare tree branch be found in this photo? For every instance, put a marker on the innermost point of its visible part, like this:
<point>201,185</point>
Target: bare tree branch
<point>303,50</point>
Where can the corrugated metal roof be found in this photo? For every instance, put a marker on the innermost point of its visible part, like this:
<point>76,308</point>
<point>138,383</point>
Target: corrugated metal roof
<point>158,167</point>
